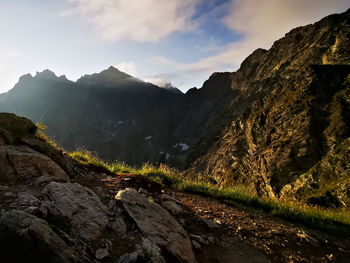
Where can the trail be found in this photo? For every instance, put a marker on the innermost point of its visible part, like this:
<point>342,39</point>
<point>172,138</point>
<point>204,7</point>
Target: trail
<point>236,234</point>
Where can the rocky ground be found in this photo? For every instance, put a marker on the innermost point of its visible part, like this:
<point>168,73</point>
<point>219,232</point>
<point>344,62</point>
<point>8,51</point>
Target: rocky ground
<point>53,209</point>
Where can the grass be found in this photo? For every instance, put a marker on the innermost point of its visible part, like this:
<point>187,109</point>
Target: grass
<point>89,158</point>
<point>41,135</point>
<point>330,220</point>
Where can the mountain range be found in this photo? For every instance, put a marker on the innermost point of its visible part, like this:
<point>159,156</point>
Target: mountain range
<point>280,123</point>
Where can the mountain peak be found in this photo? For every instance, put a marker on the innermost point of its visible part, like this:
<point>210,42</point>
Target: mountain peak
<point>46,74</point>
<point>106,77</point>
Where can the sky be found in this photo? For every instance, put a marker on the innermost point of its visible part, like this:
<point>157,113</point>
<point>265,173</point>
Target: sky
<point>159,41</point>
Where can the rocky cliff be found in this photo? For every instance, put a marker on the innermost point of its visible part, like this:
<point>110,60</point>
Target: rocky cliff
<point>291,108</point>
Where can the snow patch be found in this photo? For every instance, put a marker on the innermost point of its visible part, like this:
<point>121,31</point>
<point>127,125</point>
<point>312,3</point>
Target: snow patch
<point>184,146</point>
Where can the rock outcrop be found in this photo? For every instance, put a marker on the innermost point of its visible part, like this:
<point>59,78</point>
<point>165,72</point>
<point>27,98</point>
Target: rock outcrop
<point>158,225</point>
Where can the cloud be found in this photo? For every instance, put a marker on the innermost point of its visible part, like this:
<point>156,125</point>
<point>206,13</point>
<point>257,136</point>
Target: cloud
<point>259,23</point>
<point>142,21</point>
<point>127,67</point>
<point>158,81</point>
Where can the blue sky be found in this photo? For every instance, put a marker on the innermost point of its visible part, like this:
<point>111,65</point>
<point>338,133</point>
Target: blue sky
<point>181,41</point>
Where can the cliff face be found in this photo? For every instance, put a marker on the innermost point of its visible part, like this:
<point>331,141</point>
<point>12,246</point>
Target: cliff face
<point>291,107</point>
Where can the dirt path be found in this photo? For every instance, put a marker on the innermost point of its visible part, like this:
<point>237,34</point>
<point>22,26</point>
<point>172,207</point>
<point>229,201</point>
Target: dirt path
<point>238,234</point>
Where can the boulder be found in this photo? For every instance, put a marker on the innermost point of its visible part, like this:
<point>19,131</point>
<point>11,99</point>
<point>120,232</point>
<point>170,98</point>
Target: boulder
<point>75,208</point>
<point>158,225</point>
<point>21,163</point>
<point>26,238</point>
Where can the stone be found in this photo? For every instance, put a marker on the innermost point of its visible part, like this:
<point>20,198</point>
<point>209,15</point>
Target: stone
<point>102,253</point>
<point>210,224</point>
<point>200,239</point>
<point>129,257</point>
<point>143,191</point>
<point>166,197</point>
<point>196,245</point>
<point>26,238</point>
<point>81,209</point>
<point>119,226</point>
<point>8,194</point>
<point>172,207</point>
<point>23,163</point>
<point>157,224</point>
<point>26,200</point>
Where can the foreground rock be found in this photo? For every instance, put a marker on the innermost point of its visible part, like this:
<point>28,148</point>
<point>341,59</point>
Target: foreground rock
<point>26,238</point>
<point>159,226</point>
<point>77,207</point>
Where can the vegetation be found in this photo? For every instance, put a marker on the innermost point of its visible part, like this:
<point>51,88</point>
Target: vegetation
<point>40,134</point>
<point>89,158</point>
<point>313,216</point>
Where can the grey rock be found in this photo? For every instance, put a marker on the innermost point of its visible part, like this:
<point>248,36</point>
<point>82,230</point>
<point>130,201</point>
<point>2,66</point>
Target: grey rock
<point>23,163</point>
<point>196,245</point>
<point>102,253</point>
<point>166,197</point>
<point>200,239</point>
<point>172,207</point>
<point>81,207</point>
<point>143,191</point>
<point>8,194</point>
<point>34,210</point>
<point>210,224</point>
<point>26,200</point>
<point>158,225</point>
<point>26,238</point>
<point>119,226</point>
<point>129,258</point>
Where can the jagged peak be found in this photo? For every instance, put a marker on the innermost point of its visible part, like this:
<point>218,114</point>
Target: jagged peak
<point>107,76</point>
<point>46,74</point>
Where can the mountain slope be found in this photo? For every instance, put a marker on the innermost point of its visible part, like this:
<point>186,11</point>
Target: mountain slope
<point>112,113</point>
<point>292,107</point>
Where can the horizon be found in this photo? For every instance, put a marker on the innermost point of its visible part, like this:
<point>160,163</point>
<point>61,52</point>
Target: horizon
<point>197,38</point>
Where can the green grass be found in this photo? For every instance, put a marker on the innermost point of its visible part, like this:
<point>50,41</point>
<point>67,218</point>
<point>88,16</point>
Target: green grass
<point>89,158</point>
<point>41,135</point>
<point>330,220</point>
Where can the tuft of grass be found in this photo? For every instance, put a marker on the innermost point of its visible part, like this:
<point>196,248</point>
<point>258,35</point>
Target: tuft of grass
<point>87,157</point>
<point>41,135</point>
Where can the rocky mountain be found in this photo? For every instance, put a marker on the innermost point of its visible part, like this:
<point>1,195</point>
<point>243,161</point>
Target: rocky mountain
<point>112,113</point>
<point>288,113</point>
<point>55,209</point>
<point>282,116</point>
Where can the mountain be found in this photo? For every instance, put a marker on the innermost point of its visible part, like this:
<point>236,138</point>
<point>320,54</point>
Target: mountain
<point>289,108</point>
<point>110,112</point>
<point>284,114</point>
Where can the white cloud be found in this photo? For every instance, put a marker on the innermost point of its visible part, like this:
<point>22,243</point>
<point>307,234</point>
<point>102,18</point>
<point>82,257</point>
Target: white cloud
<point>260,23</point>
<point>143,21</point>
<point>127,67</point>
<point>158,81</point>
